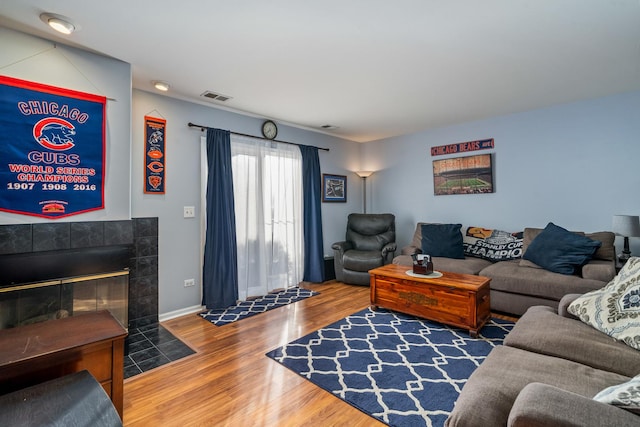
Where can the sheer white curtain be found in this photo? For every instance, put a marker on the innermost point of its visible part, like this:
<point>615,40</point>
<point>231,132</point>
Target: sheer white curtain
<point>267,185</point>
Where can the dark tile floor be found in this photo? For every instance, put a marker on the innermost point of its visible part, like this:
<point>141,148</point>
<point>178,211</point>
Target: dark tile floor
<point>149,347</point>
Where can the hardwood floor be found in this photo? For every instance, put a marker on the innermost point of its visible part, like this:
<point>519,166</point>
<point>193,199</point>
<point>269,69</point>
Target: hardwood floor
<point>230,381</point>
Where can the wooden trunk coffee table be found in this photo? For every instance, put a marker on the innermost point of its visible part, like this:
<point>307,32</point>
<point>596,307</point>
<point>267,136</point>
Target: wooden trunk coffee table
<point>460,300</point>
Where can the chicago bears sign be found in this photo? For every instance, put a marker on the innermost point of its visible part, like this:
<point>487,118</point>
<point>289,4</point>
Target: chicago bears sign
<point>52,150</point>
<point>462,147</point>
<point>154,160</point>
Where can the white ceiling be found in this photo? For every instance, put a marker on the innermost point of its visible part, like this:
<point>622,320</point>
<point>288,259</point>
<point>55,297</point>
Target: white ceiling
<point>374,68</point>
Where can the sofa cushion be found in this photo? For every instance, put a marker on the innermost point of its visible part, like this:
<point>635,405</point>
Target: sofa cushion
<point>559,250</point>
<point>490,392</point>
<point>453,265</point>
<point>606,251</point>
<point>614,309</point>
<point>509,276</point>
<point>493,245</point>
<point>442,240</point>
<point>416,241</point>
<point>543,405</point>
<point>625,395</point>
<point>599,270</point>
<point>75,399</point>
<point>596,269</point>
<point>541,330</point>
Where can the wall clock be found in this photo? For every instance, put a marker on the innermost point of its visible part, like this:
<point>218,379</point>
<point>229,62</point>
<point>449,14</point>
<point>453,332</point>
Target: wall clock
<point>269,129</point>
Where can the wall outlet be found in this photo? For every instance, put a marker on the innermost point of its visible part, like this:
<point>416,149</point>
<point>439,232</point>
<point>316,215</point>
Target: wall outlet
<point>189,211</point>
<point>189,283</point>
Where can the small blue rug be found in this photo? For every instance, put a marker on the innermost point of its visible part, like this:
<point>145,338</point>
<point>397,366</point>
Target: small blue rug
<point>255,306</point>
<point>399,369</point>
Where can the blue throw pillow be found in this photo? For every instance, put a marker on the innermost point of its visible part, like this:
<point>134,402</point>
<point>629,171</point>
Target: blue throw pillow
<point>559,250</point>
<point>443,240</point>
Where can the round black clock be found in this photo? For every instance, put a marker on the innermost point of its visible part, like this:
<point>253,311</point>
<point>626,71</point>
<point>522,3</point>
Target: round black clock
<point>269,129</point>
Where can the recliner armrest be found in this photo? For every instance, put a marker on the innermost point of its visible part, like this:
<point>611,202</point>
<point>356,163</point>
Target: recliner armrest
<point>542,405</point>
<point>342,246</point>
<point>388,251</point>
<point>339,249</point>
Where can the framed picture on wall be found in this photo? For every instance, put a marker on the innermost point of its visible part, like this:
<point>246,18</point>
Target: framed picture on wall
<point>463,175</point>
<point>334,188</point>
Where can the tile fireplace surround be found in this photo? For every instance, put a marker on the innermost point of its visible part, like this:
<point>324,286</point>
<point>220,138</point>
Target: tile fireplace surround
<point>141,233</point>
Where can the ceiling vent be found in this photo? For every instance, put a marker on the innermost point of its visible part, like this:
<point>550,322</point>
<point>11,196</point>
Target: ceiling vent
<point>216,96</point>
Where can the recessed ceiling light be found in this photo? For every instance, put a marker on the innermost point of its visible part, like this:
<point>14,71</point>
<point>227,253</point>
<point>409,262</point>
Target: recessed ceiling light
<point>163,86</point>
<point>59,23</point>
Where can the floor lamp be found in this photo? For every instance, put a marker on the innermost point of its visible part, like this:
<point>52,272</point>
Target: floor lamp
<point>364,175</point>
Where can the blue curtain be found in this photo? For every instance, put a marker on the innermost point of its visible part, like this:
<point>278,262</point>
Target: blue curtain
<point>311,189</point>
<point>220,270</point>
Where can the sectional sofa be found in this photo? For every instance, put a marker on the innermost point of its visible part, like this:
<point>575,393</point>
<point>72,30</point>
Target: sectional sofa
<point>558,371</point>
<point>516,283</point>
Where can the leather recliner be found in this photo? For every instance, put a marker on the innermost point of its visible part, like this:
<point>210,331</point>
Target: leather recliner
<point>370,242</point>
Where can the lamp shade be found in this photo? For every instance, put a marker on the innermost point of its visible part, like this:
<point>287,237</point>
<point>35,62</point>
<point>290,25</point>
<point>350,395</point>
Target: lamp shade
<point>364,174</point>
<point>626,225</point>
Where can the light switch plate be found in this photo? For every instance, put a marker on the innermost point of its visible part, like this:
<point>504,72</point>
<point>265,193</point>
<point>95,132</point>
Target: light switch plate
<point>189,211</point>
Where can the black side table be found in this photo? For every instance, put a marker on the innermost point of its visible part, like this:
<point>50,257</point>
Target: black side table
<point>329,270</point>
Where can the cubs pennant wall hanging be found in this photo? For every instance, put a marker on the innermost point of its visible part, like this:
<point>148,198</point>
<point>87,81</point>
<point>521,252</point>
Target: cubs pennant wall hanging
<point>154,136</point>
<point>52,150</point>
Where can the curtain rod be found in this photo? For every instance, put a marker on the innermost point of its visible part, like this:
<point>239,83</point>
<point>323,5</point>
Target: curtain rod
<point>202,128</point>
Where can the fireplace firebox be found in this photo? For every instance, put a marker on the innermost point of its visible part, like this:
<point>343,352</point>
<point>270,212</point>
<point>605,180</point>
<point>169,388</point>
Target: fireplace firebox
<point>39,286</point>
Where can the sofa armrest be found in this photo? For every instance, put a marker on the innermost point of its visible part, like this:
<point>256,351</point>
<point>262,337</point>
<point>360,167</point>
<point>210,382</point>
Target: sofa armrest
<point>564,303</point>
<point>600,270</point>
<point>411,250</point>
<point>541,405</point>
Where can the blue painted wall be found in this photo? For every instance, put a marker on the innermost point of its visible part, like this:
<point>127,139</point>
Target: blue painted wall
<point>575,165</point>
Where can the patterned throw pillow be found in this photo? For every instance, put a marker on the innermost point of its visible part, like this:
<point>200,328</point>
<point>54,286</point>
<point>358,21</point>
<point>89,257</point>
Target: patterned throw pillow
<point>493,245</point>
<point>625,395</point>
<point>614,309</point>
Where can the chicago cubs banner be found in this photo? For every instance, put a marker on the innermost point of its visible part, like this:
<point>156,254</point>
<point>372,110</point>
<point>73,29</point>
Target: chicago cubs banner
<point>154,134</point>
<point>52,150</point>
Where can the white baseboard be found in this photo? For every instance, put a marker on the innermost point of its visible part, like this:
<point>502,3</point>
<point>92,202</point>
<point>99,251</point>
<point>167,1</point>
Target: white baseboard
<point>183,311</point>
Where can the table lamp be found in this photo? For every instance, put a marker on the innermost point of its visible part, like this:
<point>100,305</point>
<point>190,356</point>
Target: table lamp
<point>626,226</point>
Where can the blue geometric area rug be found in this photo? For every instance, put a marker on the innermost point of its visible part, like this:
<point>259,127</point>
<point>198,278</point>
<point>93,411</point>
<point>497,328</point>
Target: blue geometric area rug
<point>399,369</point>
<point>255,306</point>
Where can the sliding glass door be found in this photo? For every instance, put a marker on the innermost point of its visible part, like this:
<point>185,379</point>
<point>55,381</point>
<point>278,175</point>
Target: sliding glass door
<point>267,183</point>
